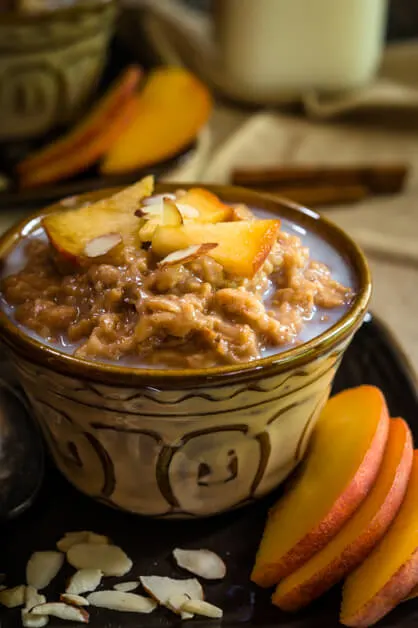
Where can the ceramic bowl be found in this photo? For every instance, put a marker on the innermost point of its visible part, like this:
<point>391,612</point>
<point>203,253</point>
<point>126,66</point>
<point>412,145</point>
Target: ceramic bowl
<point>50,64</point>
<point>185,443</point>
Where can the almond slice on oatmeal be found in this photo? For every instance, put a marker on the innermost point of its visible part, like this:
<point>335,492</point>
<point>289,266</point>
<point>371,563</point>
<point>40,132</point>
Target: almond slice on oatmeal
<point>170,591</point>
<point>187,211</point>
<point>67,612</point>
<point>200,607</point>
<point>201,562</point>
<point>126,587</point>
<point>42,568</point>
<point>13,597</point>
<point>102,244</point>
<point>75,600</point>
<point>187,255</point>
<point>122,601</point>
<point>84,581</point>
<point>110,559</point>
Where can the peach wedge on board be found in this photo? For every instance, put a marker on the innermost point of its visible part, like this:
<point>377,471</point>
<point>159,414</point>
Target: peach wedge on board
<point>241,247</point>
<point>390,572</point>
<point>340,467</point>
<point>69,231</point>
<point>350,546</point>
<point>170,111</point>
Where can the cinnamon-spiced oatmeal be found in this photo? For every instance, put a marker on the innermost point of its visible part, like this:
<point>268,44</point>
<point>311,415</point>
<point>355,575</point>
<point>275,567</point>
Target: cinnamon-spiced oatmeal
<point>164,300</point>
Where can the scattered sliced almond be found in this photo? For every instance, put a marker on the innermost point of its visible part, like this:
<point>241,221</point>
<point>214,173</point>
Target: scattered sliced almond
<point>62,611</point>
<point>84,581</point>
<point>187,211</point>
<point>102,244</point>
<point>202,562</point>
<point>110,559</point>
<point>187,255</point>
<point>126,586</point>
<point>75,600</point>
<point>42,568</point>
<point>200,607</point>
<point>175,604</point>
<point>81,536</point>
<point>13,597</point>
<point>33,598</point>
<point>164,590</point>
<point>33,621</point>
<point>122,601</point>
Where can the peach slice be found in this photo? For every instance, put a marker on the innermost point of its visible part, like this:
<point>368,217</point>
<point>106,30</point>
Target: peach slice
<point>341,465</point>
<point>65,165</point>
<point>98,117</point>
<point>390,572</point>
<point>70,231</point>
<point>242,246</point>
<point>170,111</point>
<point>209,207</point>
<point>350,546</point>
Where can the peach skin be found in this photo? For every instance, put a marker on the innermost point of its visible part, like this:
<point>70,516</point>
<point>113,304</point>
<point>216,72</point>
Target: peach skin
<point>390,572</point>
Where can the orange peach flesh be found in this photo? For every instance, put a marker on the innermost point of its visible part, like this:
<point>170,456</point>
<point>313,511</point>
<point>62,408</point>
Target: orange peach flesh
<point>390,572</point>
<point>350,546</point>
<point>343,460</point>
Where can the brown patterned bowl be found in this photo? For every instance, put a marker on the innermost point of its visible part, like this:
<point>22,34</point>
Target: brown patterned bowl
<point>184,443</point>
<point>50,64</point>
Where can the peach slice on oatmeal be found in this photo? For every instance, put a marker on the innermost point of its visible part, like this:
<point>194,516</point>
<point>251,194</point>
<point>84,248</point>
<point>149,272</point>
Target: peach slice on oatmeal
<point>242,247</point>
<point>206,205</point>
<point>70,231</point>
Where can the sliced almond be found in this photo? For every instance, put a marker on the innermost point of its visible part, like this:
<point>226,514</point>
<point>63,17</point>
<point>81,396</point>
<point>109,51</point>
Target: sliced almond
<point>157,198</point>
<point>42,568</point>
<point>102,244</point>
<point>202,562</point>
<point>13,597</point>
<point>81,536</point>
<point>200,607</point>
<point>33,598</point>
<point>126,586</point>
<point>75,600</point>
<point>83,581</point>
<point>175,604</point>
<point>110,559</point>
<point>188,211</point>
<point>122,601</point>
<point>164,590</point>
<point>187,255</point>
<point>62,611</point>
<point>33,621</point>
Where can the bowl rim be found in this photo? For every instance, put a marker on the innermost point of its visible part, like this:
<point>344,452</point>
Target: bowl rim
<point>297,356</point>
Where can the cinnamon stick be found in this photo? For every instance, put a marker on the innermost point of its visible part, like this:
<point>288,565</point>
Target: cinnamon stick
<point>378,178</point>
<point>322,195</point>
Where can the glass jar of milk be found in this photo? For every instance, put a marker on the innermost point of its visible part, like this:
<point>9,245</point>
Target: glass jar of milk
<point>278,49</point>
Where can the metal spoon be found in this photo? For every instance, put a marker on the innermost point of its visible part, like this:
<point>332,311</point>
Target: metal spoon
<point>21,454</point>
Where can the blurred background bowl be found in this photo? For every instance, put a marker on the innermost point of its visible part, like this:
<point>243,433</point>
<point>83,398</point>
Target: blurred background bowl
<point>50,65</point>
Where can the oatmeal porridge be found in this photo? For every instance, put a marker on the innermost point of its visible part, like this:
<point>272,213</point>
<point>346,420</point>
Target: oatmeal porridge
<point>182,280</point>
